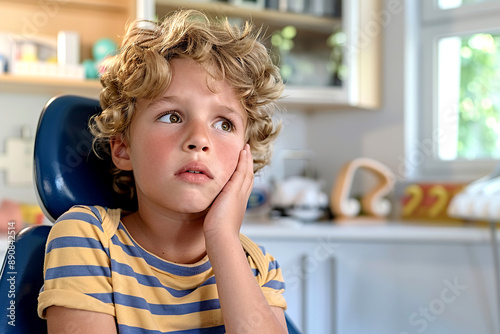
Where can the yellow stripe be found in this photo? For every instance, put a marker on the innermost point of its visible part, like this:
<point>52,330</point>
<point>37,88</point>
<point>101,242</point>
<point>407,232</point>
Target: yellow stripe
<point>86,256</point>
<point>69,299</point>
<point>158,295</point>
<point>144,319</point>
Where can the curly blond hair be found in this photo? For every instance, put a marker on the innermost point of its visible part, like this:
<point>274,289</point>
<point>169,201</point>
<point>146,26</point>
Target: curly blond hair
<point>141,69</point>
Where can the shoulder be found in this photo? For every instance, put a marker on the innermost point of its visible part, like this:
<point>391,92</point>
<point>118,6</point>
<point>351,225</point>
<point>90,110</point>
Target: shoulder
<point>86,220</point>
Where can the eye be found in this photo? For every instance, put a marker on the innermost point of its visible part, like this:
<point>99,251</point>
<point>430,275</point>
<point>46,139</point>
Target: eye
<point>224,125</point>
<point>170,117</point>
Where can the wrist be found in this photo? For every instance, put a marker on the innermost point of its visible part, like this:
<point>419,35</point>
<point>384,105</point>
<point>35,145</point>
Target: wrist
<point>220,234</point>
<point>219,237</point>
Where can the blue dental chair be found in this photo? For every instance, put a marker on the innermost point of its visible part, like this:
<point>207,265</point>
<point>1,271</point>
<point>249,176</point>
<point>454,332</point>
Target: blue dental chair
<point>66,172</point>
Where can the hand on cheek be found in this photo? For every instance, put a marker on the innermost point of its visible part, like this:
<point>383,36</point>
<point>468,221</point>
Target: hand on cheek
<point>227,211</point>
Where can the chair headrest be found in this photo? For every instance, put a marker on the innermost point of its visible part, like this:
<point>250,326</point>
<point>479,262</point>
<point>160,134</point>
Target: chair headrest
<point>66,170</point>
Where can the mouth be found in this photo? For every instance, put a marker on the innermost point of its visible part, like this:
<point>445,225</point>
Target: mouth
<point>194,169</point>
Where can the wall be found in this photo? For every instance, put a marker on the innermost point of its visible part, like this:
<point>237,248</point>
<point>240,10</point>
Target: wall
<point>336,136</point>
<point>16,111</point>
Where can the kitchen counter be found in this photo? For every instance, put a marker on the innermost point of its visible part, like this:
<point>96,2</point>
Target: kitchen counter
<point>337,274</point>
<point>370,231</point>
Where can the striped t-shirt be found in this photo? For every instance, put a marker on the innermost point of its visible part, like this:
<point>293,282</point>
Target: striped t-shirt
<point>92,263</point>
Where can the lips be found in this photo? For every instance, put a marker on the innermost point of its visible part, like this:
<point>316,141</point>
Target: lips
<point>194,170</point>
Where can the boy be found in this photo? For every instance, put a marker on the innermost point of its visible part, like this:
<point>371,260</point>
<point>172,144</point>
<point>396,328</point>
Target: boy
<point>186,119</point>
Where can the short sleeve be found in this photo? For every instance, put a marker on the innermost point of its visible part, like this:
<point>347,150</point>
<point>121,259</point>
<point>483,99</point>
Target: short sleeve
<point>274,285</point>
<point>77,265</point>
<point>267,271</point>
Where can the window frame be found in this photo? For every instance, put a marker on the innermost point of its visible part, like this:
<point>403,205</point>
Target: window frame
<point>433,24</point>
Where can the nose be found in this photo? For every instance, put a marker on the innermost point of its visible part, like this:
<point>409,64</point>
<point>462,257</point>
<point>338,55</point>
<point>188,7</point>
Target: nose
<point>197,138</point>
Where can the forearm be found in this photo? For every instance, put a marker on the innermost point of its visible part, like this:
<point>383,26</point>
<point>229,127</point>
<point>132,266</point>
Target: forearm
<point>244,307</point>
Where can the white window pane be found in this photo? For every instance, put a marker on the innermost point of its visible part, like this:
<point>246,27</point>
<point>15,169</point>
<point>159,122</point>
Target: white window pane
<point>448,97</point>
<point>468,97</point>
<point>450,4</point>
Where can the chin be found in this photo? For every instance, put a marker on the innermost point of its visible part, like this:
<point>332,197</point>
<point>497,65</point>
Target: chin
<point>192,208</point>
<point>192,203</point>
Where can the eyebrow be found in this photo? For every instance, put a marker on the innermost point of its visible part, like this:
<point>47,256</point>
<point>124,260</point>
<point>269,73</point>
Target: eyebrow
<point>232,111</point>
<point>162,99</point>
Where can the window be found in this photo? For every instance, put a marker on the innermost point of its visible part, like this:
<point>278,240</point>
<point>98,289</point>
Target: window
<point>458,114</point>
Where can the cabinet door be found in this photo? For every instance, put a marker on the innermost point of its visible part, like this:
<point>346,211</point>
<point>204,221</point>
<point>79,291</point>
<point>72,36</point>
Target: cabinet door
<point>387,287</point>
<point>309,270</point>
<point>415,288</point>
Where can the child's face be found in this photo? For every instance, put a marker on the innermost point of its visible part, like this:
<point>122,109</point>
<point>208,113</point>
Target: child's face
<point>184,146</point>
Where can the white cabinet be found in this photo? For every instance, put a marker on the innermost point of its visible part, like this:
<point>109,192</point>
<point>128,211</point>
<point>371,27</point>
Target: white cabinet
<point>307,67</point>
<point>389,279</point>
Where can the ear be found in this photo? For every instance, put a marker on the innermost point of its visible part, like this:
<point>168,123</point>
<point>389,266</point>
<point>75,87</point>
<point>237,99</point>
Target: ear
<point>120,153</point>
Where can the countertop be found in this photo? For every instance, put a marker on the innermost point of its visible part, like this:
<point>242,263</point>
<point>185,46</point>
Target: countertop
<point>368,230</point>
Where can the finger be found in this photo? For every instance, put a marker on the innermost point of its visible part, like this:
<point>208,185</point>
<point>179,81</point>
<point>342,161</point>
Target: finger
<point>249,156</point>
<point>249,175</point>
<point>239,176</point>
<point>242,178</point>
<point>243,161</point>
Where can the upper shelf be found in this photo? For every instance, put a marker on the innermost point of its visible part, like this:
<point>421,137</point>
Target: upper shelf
<point>109,5</point>
<point>257,15</point>
<point>48,86</point>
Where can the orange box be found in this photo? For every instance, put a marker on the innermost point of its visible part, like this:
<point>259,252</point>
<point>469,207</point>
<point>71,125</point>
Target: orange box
<point>429,201</point>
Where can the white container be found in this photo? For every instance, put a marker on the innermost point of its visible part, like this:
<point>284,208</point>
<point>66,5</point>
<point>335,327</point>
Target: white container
<point>68,48</point>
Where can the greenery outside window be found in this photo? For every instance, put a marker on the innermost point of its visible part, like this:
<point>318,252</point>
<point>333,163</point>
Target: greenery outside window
<point>469,78</point>
<point>458,135</point>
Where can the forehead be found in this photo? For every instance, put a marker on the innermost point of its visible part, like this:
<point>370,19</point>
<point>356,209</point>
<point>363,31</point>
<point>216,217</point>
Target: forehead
<point>191,80</point>
<point>206,71</point>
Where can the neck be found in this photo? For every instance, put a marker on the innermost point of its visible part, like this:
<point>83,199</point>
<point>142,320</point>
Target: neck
<point>173,236</point>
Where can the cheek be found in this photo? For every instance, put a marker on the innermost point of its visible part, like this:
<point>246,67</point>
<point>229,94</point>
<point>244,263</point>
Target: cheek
<point>151,152</point>
<point>229,158</point>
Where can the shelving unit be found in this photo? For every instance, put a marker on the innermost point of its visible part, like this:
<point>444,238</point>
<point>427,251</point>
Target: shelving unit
<point>92,19</point>
<point>95,19</point>
<point>362,86</point>
<point>258,16</point>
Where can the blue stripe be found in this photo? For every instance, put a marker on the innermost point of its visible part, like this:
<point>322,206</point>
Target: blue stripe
<point>174,269</point>
<point>273,265</point>
<point>152,281</point>
<point>63,242</point>
<point>103,297</point>
<point>164,309</point>
<point>124,329</point>
<point>95,212</point>
<point>276,285</point>
<point>83,216</point>
<point>76,271</point>
<point>262,249</point>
